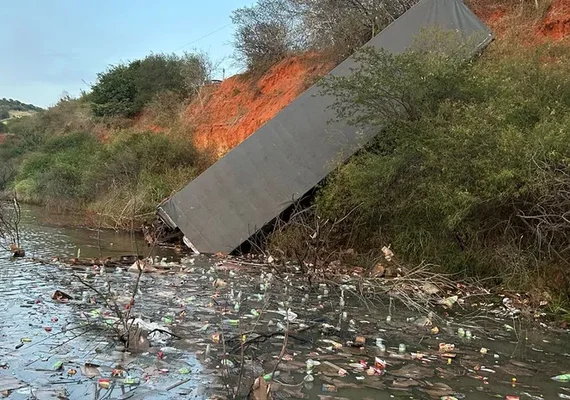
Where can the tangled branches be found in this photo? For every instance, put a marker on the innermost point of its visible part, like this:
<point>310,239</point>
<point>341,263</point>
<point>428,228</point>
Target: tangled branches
<point>10,218</point>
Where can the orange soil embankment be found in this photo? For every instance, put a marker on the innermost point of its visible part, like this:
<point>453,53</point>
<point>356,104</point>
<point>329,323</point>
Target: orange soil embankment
<point>531,22</point>
<point>240,105</point>
<point>556,24</point>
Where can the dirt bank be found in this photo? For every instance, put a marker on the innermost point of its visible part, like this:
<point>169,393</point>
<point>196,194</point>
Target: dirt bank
<point>228,113</point>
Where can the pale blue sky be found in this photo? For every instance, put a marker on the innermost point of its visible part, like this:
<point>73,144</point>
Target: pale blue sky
<point>51,46</point>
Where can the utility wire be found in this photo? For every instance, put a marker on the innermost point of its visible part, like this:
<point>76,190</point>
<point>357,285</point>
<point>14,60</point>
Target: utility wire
<point>203,37</point>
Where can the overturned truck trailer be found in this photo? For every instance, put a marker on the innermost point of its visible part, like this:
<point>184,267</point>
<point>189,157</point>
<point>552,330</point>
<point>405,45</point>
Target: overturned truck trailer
<point>288,156</point>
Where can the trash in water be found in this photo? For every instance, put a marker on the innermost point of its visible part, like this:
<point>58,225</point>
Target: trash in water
<point>58,295</point>
<point>360,340</point>
<point>379,363</point>
<point>445,347</point>
<point>449,301</point>
<point>219,284</point>
<point>90,370</point>
<point>329,388</point>
<point>561,378</point>
<point>269,376</point>
<point>104,383</point>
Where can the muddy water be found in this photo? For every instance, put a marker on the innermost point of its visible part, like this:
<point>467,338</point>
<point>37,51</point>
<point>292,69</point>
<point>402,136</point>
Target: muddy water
<point>207,322</point>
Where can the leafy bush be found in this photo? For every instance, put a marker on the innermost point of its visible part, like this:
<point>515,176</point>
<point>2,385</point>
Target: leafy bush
<point>470,164</point>
<point>135,171</point>
<point>124,89</point>
<point>54,175</point>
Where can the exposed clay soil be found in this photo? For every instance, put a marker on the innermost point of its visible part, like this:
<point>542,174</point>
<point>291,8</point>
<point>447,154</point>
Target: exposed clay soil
<point>227,114</point>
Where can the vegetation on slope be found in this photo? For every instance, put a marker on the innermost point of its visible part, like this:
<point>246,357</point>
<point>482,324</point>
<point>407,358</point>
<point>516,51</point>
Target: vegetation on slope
<point>88,154</point>
<point>470,168</point>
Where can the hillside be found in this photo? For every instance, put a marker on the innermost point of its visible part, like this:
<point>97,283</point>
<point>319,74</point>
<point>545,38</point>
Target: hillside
<point>241,104</point>
<point>10,108</point>
<point>463,159</point>
<point>226,113</point>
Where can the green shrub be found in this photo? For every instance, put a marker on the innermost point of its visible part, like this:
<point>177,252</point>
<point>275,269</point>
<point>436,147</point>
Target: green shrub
<point>55,173</point>
<point>470,163</point>
<point>123,90</point>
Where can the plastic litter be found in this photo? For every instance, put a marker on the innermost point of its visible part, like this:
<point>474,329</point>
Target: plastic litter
<point>329,388</point>
<point>445,347</point>
<point>381,346</point>
<point>104,383</point>
<point>561,378</point>
<point>267,377</point>
<point>131,381</point>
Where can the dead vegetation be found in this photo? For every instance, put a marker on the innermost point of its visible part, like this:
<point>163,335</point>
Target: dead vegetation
<point>10,219</point>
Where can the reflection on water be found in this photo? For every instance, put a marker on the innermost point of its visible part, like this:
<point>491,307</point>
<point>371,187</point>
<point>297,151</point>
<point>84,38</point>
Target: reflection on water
<point>49,235</point>
<point>196,312</point>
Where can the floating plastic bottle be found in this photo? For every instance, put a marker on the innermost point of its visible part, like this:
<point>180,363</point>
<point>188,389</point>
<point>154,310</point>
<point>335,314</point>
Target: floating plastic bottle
<point>267,377</point>
<point>380,344</point>
<point>461,332</point>
<point>561,378</point>
<point>402,348</point>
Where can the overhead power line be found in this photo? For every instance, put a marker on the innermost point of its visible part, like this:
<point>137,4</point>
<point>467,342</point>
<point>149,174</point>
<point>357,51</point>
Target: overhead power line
<point>203,37</point>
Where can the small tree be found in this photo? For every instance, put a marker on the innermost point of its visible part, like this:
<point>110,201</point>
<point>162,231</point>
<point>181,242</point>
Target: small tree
<point>265,34</point>
<point>125,89</point>
<point>115,92</point>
